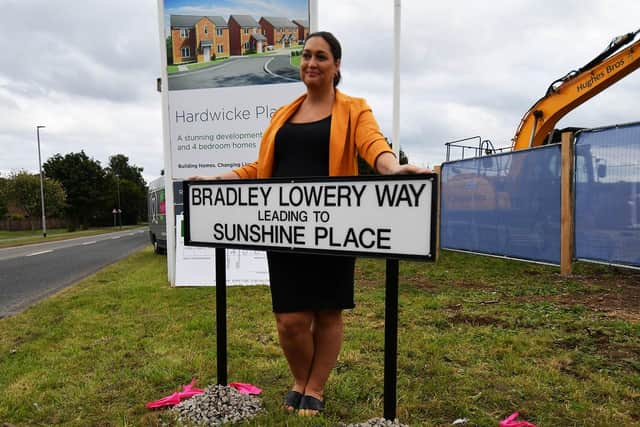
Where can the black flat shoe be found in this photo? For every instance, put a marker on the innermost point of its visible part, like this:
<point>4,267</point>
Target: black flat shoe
<point>292,400</point>
<point>310,406</point>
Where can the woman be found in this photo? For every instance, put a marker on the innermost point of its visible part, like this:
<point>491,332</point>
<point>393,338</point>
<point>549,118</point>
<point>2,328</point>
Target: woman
<point>318,134</point>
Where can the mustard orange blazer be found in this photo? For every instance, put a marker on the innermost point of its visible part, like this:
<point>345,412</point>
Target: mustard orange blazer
<point>354,130</point>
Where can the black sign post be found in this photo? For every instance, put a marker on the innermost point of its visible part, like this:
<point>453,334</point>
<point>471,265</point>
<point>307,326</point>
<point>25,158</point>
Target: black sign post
<point>221,315</point>
<point>376,216</point>
<point>391,339</point>
<point>390,330</point>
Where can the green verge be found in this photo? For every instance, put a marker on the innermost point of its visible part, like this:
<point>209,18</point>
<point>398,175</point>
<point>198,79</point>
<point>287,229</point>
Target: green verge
<point>479,338</point>
<point>199,65</point>
<point>20,238</point>
<point>171,69</point>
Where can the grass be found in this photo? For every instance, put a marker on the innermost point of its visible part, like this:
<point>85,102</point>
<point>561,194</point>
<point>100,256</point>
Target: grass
<point>27,237</point>
<point>479,338</point>
<point>295,60</point>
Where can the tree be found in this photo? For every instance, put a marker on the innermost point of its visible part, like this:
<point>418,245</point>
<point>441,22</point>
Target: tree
<point>4,197</point>
<point>128,180</point>
<point>404,160</point>
<point>83,180</point>
<point>169,45</point>
<point>133,200</point>
<point>365,169</point>
<point>119,165</point>
<point>24,192</point>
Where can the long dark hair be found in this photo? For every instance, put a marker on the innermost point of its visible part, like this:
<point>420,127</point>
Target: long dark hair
<point>334,45</point>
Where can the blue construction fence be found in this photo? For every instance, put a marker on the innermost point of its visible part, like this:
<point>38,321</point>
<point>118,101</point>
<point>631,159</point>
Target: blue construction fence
<point>509,204</point>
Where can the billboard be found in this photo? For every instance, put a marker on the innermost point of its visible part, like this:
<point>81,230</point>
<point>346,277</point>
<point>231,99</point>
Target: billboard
<point>229,68</point>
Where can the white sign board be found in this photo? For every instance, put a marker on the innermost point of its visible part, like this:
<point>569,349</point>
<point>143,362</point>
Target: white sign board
<point>369,216</point>
<point>196,266</point>
<point>215,130</point>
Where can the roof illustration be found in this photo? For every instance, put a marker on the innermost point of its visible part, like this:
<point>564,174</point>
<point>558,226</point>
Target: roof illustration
<point>279,22</point>
<point>244,20</point>
<point>302,22</point>
<point>218,21</point>
<point>259,37</point>
<point>184,20</point>
<point>191,20</point>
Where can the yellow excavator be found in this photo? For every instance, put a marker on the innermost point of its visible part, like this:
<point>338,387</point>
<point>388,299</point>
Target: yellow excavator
<point>576,87</point>
<point>480,189</point>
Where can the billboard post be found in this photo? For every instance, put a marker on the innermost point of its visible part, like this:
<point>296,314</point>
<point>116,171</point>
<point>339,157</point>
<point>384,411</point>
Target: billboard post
<point>166,145</point>
<point>313,15</point>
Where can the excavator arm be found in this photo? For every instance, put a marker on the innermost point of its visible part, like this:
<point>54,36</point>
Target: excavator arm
<point>575,88</point>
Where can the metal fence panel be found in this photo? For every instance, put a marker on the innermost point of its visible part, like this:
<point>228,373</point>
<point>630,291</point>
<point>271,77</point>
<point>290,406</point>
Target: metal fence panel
<point>506,204</point>
<point>607,192</point>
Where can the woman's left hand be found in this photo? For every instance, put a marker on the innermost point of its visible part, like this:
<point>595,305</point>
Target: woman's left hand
<point>387,164</point>
<point>408,170</point>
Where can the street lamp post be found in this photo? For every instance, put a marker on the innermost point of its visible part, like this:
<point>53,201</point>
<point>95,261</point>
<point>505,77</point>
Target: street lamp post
<point>44,219</point>
<point>119,210</point>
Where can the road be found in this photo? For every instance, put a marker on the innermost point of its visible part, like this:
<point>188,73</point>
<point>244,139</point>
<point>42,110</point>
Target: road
<point>30,273</point>
<point>238,71</point>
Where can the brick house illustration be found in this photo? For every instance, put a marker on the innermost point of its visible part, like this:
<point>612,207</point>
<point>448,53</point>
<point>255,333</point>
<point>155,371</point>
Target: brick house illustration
<point>280,32</point>
<point>198,38</point>
<point>303,29</point>
<point>222,43</point>
<point>244,35</point>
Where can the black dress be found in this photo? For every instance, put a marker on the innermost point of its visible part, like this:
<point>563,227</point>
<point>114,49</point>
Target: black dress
<point>302,282</point>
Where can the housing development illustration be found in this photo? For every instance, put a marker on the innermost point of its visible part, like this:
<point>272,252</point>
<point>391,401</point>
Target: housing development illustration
<point>205,38</point>
<point>198,38</point>
<point>209,51</point>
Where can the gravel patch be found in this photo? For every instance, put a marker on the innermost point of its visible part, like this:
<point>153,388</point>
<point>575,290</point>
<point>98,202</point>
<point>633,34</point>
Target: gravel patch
<point>218,405</point>
<point>378,422</point>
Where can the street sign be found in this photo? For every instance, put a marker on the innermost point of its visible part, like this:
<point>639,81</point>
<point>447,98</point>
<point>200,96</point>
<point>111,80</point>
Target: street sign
<point>375,216</point>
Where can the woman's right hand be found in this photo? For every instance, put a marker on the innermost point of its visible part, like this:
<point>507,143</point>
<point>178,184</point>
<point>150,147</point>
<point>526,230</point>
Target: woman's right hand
<point>225,175</point>
<point>203,178</point>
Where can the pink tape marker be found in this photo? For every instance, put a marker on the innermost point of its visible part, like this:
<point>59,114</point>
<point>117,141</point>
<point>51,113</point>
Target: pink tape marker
<point>511,421</point>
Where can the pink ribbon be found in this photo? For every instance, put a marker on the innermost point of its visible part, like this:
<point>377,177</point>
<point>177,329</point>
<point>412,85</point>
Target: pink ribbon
<point>246,388</point>
<point>511,422</point>
<point>173,399</point>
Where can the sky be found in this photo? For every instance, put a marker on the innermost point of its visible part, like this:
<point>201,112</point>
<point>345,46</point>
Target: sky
<point>87,70</point>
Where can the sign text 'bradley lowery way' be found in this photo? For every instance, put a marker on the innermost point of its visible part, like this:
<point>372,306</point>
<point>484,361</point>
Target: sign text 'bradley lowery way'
<point>377,216</point>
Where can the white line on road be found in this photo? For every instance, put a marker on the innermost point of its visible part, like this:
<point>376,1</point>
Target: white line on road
<point>40,253</point>
<point>116,237</point>
<point>268,71</point>
<point>89,243</point>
